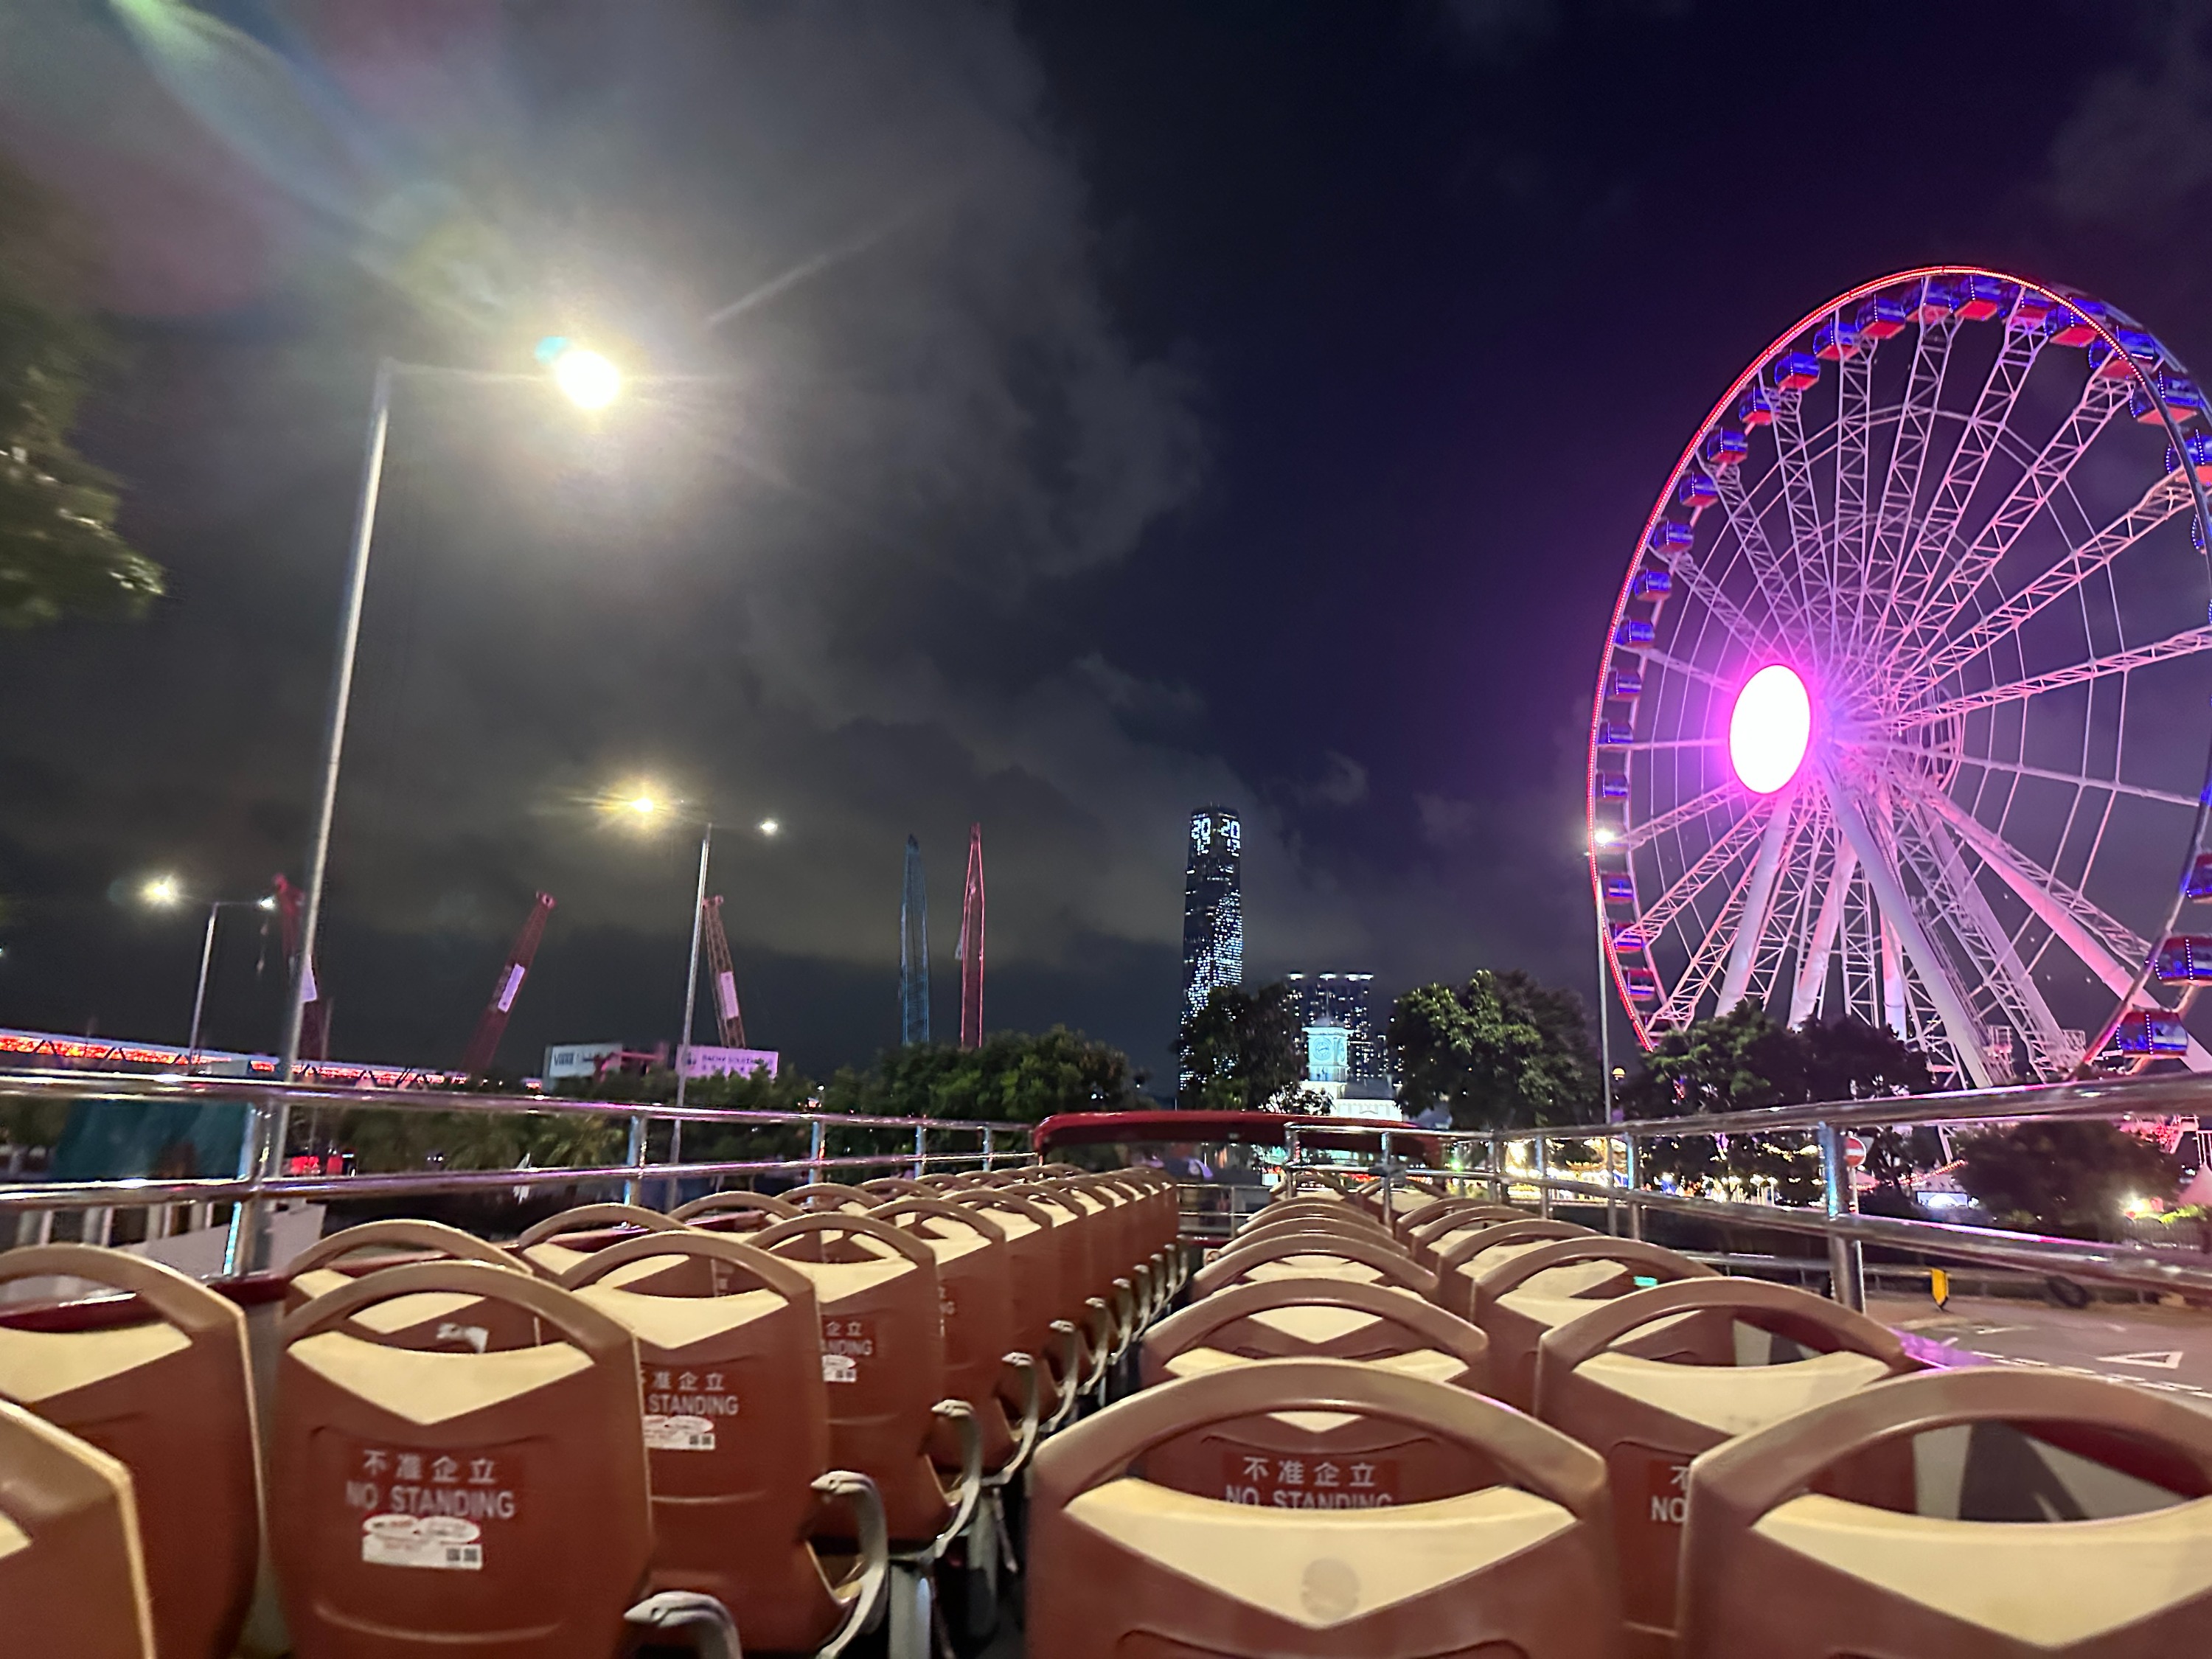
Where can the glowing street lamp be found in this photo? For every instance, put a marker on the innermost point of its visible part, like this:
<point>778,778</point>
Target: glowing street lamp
<point>589,380</point>
<point>162,892</point>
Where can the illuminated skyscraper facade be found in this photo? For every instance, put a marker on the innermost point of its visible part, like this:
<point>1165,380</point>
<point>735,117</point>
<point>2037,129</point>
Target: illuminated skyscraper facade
<point>1212,907</point>
<point>1335,1004</point>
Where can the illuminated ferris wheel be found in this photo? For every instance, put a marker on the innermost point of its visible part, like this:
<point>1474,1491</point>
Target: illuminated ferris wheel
<point>1904,708</point>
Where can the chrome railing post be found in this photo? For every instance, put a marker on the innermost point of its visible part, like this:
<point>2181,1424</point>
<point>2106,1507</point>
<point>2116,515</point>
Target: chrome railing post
<point>243,1245</point>
<point>989,1154</point>
<point>1497,1167</point>
<point>1387,1210</point>
<point>1846,1257</point>
<point>1543,1176</point>
<point>1612,1203</point>
<point>1635,1187</point>
<point>633,1155</point>
<point>921,1151</point>
<point>816,1139</point>
<point>1289,1166</point>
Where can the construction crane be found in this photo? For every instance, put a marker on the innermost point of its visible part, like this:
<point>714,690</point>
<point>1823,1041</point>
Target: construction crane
<point>491,1024</point>
<point>315,1013</point>
<point>726,1011</point>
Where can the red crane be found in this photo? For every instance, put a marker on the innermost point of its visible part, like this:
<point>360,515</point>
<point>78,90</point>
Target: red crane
<point>315,1017</point>
<point>969,953</point>
<point>491,1025</point>
<point>726,1011</point>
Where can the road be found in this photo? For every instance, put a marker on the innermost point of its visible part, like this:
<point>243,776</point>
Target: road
<point>2165,1350</point>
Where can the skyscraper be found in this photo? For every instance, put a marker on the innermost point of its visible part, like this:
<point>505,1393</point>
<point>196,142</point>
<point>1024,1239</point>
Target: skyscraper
<point>914,951</point>
<point>1212,907</point>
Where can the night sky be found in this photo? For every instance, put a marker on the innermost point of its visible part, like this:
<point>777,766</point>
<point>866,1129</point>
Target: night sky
<point>1114,409</point>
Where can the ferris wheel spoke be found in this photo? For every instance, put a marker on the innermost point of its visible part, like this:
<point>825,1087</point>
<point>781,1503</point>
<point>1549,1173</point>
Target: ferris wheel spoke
<point>1705,963</point>
<point>1698,580</point>
<point>1655,745</point>
<point>1660,915</point>
<point>1716,799</point>
<point>1810,553</point>
<point>2161,501</point>
<point>1847,548</point>
<point>1929,553</point>
<point>1899,918</point>
<point>2051,774</point>
<point>2103,946</point>
<point>1811,986</point>
<point>2187,643</point>
<point>2008,988</point>
<point>1688,670</point>
<point>1767,570</point>
<point>1908,458</point>
<point>1933,618</point>
<point>1758,913</point>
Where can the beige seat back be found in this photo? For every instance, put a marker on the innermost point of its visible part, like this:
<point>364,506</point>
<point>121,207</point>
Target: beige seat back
<point>1520,1299</point>
<point>430,1322</point>
<point>1774,1564</point>
<point>1121,1566</point>
<point>160,1381</point>
<point>560,1242</point>
<point>72,1577</point>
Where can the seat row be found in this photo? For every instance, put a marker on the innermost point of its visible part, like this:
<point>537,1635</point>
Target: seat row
<point>1394,1423</point>
<point>778,1414</point>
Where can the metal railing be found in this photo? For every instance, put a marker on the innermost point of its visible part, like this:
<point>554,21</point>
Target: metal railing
<point>1628,1197</point>
<point>259,1184</point>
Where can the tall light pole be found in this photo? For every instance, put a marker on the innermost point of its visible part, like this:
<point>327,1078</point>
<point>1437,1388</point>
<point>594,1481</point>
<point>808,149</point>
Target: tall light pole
<point>588,381</point>
<point>1603,838</point>
<point>215,908</point>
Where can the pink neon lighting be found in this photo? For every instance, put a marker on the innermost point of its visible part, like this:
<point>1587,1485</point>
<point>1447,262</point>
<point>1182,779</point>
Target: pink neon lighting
<point>1771,729</point>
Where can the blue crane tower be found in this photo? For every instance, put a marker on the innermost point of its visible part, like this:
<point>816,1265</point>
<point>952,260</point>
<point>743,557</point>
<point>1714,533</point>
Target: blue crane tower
<point>914,951</point>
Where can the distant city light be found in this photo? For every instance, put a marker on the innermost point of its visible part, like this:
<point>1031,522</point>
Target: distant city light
<point>769,826</point>
<point>266,903</point>
<point>1603,836</point>
<point>162,891</point>
<point>1771,729</point>
<point>589,380</point>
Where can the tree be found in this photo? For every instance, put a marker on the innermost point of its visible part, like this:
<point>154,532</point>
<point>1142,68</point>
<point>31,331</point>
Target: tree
<point>59,553</point>
<point>1015,1076</point>
<point>2070,1178</point>
<point>1500,1052</point>
<point>1240,1049</point>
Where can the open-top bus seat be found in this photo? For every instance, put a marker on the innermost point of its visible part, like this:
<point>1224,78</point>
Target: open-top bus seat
<point>975,1288</point>
<point>72,1580</point>
<point>1314,1256</point>
<point>497,1504</point>
<point>427,1322</point>
<point>1122,1567</point>
<point>889,1187</point>
<point>162,1383</point>
<point>1317,1319</point>
<point>1648,1415</point>
<point>876,1287</point>
<point>829,1195</point>
<point>734,1212</point>
<point>560,1242</point>
<point>1520,1299</point>
<point>1462,1254</point>
<point>736,1436</point>
<point>1088,1316</point>
<point>1034,1279</point>
<point>1774,1564</point>
<point>1420,1235</point>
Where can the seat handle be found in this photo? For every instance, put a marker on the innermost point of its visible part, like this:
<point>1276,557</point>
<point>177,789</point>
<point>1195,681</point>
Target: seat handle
<point>170,1296</point>
<point>403,1233</point>
<point>1024,1368</point>
<point>1660,1262</point>
<point>702,1619</point>
<point>861,1590</point>
<point>1070,1369</point>
<point>969,1486</point>
<point>756,1264</point>
<point>1101,1333</point>
<point>1796,1314</point>
<point>577,1319</point>
<point>920,1204</point>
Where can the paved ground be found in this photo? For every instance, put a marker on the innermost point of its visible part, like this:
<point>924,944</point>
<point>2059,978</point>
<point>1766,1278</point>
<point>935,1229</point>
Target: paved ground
<point>2166,1350</point>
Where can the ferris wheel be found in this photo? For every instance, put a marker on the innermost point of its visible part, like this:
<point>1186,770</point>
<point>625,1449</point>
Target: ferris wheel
<point>1904,707</point>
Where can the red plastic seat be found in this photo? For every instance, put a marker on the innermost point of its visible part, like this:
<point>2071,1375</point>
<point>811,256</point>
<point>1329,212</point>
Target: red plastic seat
<point>1774,1564</point>
<point>1036,1276</point>
<point>883,1357</point>
<point>1706,1373</point>
<point>1317,1319</point>
<point>495,1504</point>
<point>1460,1255</point>
<point>560,1242</point>
<point>162,1383</point>
<point>736,1434</point>
<point>427,1322</point>
<point>72,1577</point>
<point>1537,1290</point>
<point>1419,1234</point>
<point>1314,1256</point>
<point>1122,1568</point>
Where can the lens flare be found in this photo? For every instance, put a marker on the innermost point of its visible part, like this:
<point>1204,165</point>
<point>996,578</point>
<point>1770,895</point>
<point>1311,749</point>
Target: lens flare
<point>589,380</point>
<point>1771,729</point>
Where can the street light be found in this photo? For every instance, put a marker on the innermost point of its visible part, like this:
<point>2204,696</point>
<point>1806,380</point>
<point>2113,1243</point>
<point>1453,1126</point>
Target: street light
<point>165,893</point>
<point>586,379</point>
<point>162,892</point>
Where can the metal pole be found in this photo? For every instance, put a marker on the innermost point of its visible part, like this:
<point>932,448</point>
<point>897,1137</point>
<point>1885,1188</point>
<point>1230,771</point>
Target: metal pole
<point>199,996</point>
<point>921,1149</point>
<point>1635,1186</point>
<point>814,1150</point>
<point>988,1155</point>
<point>248,1216</point>
<point>1544,1177</point>
<point>1611,1187</point>
<point>1604,1023</point>
<point>690,994</point>
<point>1846,1257</point>
<point>1498,1189</point>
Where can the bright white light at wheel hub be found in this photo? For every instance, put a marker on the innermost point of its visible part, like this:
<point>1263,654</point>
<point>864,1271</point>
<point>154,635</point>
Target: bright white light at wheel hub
<point>1770,729</point>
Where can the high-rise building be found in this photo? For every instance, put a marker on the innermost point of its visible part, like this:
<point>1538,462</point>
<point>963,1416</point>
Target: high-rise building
<point>1333,1010</point>
<point>1212,907</point>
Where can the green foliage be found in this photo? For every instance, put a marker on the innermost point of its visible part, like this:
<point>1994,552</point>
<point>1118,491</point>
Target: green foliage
<point>2064,1177</point>
<point>1240,1049</point>
<point>1016,1077</point>
<point>1500,1052</point>
<point>1743,1059</point>
<point>59,554</point>
<point>386,1141</point>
